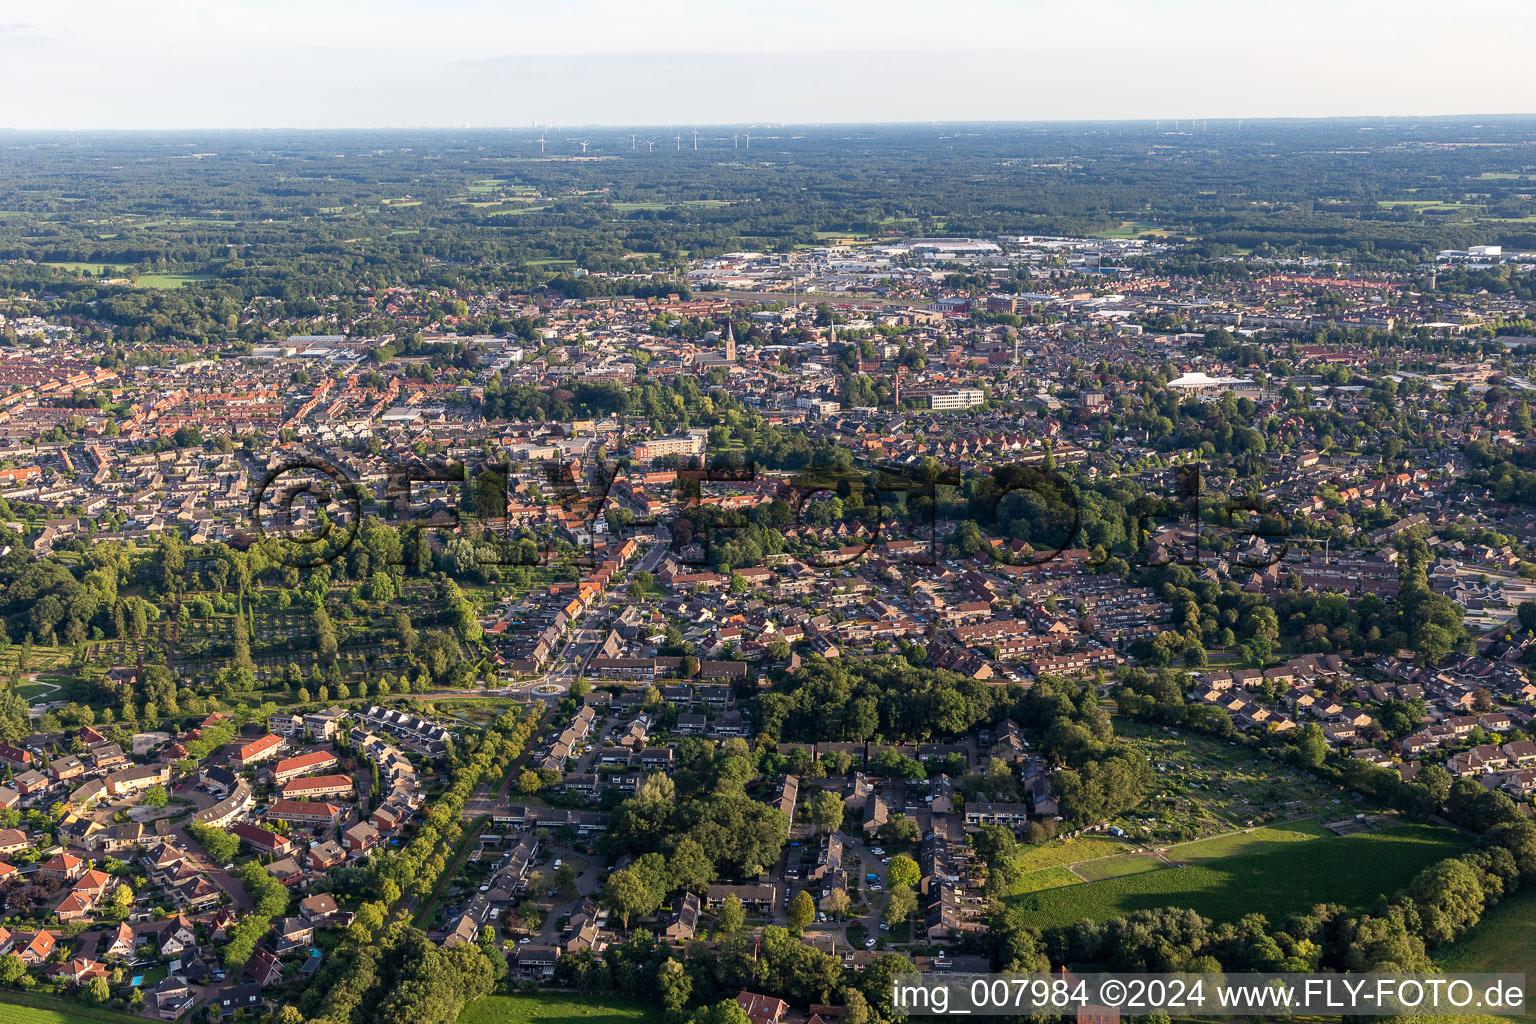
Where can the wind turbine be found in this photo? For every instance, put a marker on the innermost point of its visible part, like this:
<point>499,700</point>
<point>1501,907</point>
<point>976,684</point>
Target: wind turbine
<point>631,140</point>
<point>737,140</point>
<point>679,140</point>
<point>749,140</point>
<point>583,149</point>
<point>652,146</point>
<point>541,142</point>
<point>695,140</point>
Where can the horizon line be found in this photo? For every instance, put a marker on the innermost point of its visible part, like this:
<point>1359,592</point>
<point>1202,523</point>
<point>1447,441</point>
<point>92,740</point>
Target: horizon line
<point>1225,119</point>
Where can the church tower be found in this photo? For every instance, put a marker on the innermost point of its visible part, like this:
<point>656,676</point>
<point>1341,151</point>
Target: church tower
<point>730,342</point>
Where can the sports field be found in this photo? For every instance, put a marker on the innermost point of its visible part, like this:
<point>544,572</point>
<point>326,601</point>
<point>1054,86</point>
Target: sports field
<point>1274,877</point>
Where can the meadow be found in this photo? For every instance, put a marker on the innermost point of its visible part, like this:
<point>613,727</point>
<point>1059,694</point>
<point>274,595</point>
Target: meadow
<point>1275,879</point>
<point>556,1009</point>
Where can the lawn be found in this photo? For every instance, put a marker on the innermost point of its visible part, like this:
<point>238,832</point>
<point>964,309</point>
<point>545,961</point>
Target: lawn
<point>556,1009</point>
<point>1275,879</point>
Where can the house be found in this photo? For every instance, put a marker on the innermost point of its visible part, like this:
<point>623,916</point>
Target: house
<point>260,840</point>
<point>755,899</point>
<point>294,933</point>
<point>328,854</point>
<point>263,968</point>
<point>682,929</point>
<point>761,1009</point>
<point>258,750</point>
<point>360,838</point>
<point>317,786</point>
<point>536,963</point>
<point>244,996</point>
<point>33,947</point>
<point>172,997</point>
<point>305,812</point>
<point>62,867</point>
<point>318,908</point>
<point>117,943</point>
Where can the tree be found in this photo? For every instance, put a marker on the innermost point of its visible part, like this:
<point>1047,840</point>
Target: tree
<point>528,781</point>
<point>121,901</point>
<point>97,991</point>
<point>726,1011</point>
<point>221,845</point>
<point>627,895</point>
<point>900,904</point>
<point>826,811</point>
<point>731,916</point>
<point>899,830</point>
<point>802,911</point>
<point>836,903</point>
<point>1312,745</point>
<point>156,796</point>
<point>673,985</point>
<point>903,870</point>
<point>11,969</point>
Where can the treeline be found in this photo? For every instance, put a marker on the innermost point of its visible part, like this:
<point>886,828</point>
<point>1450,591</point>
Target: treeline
<point>390,973</point>
<point>886,698</point>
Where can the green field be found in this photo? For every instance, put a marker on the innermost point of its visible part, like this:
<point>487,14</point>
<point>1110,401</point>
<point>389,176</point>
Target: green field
<point>1503,941</point>
<point>1275,879</point>
<point>1069,851</point>
<point>1116,867</point>
<point>556,1009</point>
<point>25,1008</point>
<point>1050,878</point>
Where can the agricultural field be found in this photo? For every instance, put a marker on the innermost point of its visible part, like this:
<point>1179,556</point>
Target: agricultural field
<point>559,1009</point>
<point>1274,877</point>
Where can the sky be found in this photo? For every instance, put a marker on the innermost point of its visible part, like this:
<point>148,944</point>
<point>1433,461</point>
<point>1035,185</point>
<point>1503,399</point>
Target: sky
<point>181,64</point>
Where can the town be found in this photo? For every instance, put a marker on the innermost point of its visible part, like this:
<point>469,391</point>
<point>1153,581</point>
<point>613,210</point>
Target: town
<point>716,643</point>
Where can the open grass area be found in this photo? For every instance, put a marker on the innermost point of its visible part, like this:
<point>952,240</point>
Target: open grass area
<point>1504,941</point>
<point>1252,840</point>
<point>1049,878</point>
<point>557,1009</point>
<point>29,1008</point>
<point>169,280</point>
<point>1276,879</point>
<point>1116,867</point>
<point>1061,852</point>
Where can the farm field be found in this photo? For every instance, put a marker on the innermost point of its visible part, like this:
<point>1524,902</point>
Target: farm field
<point>557,1009</point>
<point>1277,879</point>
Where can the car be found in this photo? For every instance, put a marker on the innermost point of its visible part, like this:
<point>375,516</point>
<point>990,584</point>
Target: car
<point>869,943</point>
<point>557,863</point>
<point>877,887</point>
<point>523,941</point>
<point>884,927</point>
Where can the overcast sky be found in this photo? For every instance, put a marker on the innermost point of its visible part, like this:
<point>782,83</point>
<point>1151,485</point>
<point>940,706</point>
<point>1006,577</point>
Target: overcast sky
<point>386,63</point>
